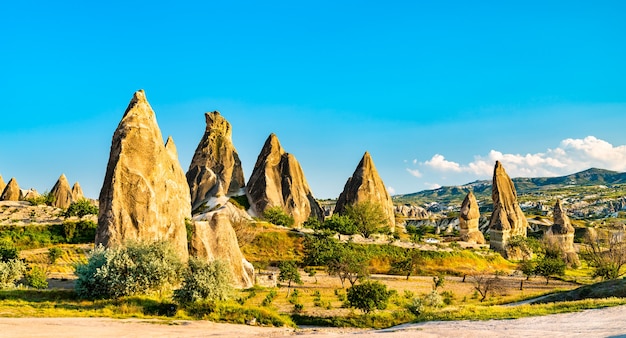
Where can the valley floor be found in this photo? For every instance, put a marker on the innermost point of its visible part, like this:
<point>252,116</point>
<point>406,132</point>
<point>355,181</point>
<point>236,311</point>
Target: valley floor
<point>607,322</point>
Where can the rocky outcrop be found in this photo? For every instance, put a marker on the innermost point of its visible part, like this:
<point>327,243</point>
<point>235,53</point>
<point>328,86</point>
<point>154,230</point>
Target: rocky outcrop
<point>145,195</point>
<point>412,211</point>
<point>77,192</point>
<point>366,185</point>
<point>278,181</point>
<point>507,219</point>
<point>214,238</point>
<point>62,193</point>
<point>561,234</point>
<point>469,218</point>
<point>215,169</point>
<point>2,184</point>
<point>30,193</point>
<point>11,191</point>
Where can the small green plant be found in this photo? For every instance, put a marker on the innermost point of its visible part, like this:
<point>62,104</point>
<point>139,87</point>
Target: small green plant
<point>416,306</point>
<point>54,253</point>
<point>269,298</point>
<point>277,216</point>
<point>44,199</point>
<point>298,307</point>
<point>368,296</point>
<point>81,208</point>
<point>37,278</point>
<point>205,281</point>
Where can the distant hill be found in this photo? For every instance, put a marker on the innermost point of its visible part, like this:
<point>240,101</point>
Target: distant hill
<point>523,185</point>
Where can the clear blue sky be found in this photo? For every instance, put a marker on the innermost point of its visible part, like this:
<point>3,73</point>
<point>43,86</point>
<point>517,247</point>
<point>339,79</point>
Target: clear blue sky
<point>435,90</point>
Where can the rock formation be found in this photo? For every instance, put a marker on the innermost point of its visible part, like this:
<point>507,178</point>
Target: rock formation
<point>30,193</point>
<point>62,193</point>
<point>215,169</point>
<point>366,185</point>
<point>145,195</point>
<point>278,181</point>
<point>412,211</point>
<point>214,238</point>
<point>77,192</point>
<point>11,191</point>
<point>507,219</point>
<point>561,234</point>
<point>2,184</point>
<point>469,221</point>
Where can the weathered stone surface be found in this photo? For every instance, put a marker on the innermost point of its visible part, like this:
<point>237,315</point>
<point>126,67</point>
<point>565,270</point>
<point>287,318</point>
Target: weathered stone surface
<point>145,195</point>
<point>77,192</point>
<point>366,185</point>
<point>62,193</point>
<point>412,211</point>
<point>507,219</point>
<point>278,181</point>
<point>469,219</point>
<point>11,191</point>
<point>2,184</point>
<point>214,238</point>
<point>561,234</point>
<point>215,169</point>
<point>30,193</point>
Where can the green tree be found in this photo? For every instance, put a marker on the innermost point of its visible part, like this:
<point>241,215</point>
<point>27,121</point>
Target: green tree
<point>550,266</point>
<point>204,280</point>
<point>54,253</point>
<point>409,264</point>
<point>289,273</point>
<point>527,267</point>
<point>607,255</point>
<point>368,217</point>
<point>342,224</point>
<point>37,278</point>
<point>348,265</point>
<point>417,233</point>
<point>368,296</point>
<point>81,208</point>
<point>320,248</point>
<point>277,216</point>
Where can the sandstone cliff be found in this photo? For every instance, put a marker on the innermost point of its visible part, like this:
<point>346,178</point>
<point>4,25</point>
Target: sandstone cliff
<point>561,234</point>
<point>366,185</point>
<point>145,195</point>
<point>278,181</point>
<point>215,169</point>
<point>77,192</point>
<point>507,219</point>
<point>469,219</point>
<point>11,191</point>
<point>62,193</point>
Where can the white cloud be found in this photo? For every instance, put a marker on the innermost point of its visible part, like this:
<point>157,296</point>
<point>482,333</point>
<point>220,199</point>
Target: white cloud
<point>432,186</point>
<point>570,156</point>
<point>391,190</point>
<point>414,172</point>
<point>415,161</point>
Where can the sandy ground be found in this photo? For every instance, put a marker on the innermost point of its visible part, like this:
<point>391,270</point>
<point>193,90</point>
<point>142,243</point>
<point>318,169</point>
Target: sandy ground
<point>609,322</point>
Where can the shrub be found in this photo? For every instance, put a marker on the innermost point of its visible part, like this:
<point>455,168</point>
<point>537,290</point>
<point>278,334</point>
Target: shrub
<point>276,215</point>
<point>54,253</point>
<point>8,251</point>
<point>10,272</point>
<point>205,281</point>
<point>83,231</point>
<point>81,208</point>
<point>341,224</point>
<point>36,278</point>
<point>137,268</point>
<point>433,299</point>
<point>416,306</point>
<point>368,296</point>
<point>44,199</point>
<point>368,217</point>
<point>269,298</point>
<point>289,273</point>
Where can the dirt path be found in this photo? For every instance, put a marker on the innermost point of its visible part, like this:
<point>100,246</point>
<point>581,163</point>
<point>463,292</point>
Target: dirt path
<point>608,322</point>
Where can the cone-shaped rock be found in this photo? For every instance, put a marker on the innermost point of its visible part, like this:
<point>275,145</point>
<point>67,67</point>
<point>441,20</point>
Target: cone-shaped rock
<point>507,219</point>
<point>561,233</point>
<point>278,181</point>
<point>30,193</point>
<point>12,191</point>
<point>62,193</point>
<point>2,184</point>
<point>214,238</point>
<point>77,192</point>
<point>468,221</point>
<point>366,185</point>
<point>145,195</point>
<point>215,169</point>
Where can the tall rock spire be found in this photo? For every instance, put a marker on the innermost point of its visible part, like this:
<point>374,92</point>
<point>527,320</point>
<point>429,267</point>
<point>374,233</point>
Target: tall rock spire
<point>145,195</point>
<point>215,169</point>
<point>62,193</point>
<point>278,181</point>
<point>366,185</point>
<point>11,191</point>
<point>468,221</point>
<point>561,234</point>
<point>77,192</point>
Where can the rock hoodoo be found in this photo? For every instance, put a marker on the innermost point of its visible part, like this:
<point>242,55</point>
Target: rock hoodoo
<point>2,184</point>
<point>469,219</point>
<point>145,195</point>
<point>30,193</point>
<point>507,219</point>
<point>278,181</point>
<point>77,192</point>
<point>412,211</point>
<point>561,233</point>
<point>62,193</point>
<point>215,169</point>
<point>11,191</point>
<point>366,185</point>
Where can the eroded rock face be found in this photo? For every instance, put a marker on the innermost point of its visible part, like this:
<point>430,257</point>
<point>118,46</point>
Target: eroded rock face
<point>278,181</point>
<point>77,192</point>
<point>215,169</point>
<point>412,211</point>
<point>366,185</point>
<point>214,238</point>
<point>507,219</point>
<point>62,193</point>
<point>469,219</point>
<point>11,191</point>
<point>30,193</point>
<point>145,195</point>
<point>2,184</point>
<point>561,234</point>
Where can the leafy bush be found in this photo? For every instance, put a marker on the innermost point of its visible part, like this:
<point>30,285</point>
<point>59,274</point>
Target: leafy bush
<point>10,272</point>
<point>276,215</point>
<point>44,199</point>
<point>416,306</point>
<point>205,281</point>
<point>8,251</point>
<point>54,253</point>
<point>83,231</point>
<point>37,278</point>
<point>368,296</point>
<point>269,298</point>
<point>81,208</point>
<point>137,268</point>
<point>368,217</point>
<point>341,224</point>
